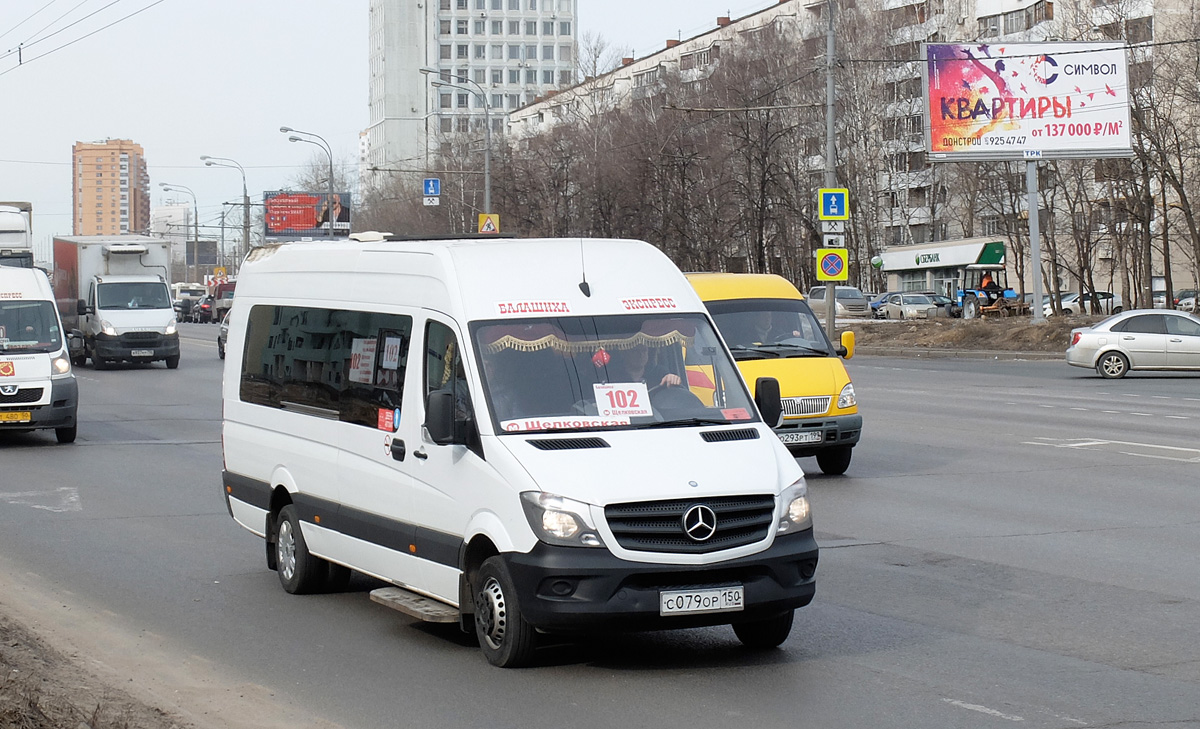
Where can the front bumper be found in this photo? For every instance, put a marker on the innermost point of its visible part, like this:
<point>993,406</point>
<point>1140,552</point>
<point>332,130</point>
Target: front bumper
<point>573,588</point>
<point>835,430</point>
<point>58,413</point>
<point>122,346</point>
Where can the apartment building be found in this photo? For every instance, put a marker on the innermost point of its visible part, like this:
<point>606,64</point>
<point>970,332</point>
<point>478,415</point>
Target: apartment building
<point>492,56</point>
<point>111,190</point>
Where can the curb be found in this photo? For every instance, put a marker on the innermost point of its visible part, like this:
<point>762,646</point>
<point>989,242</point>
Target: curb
<point>935,353</point>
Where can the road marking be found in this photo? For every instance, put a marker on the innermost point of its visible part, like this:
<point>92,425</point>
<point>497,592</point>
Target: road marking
<point>1172,453</point>
<point>62,499</point>
<point>1080,409</point>
<point>1178,417</point>
<point>1143,415</point>
<point>1111,412</point>
<point>982,710</point>
<point>1126,394</point>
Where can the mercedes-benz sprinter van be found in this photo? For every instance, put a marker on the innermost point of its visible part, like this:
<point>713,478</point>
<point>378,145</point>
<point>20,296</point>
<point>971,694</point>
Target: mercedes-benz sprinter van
<point>520,436</point>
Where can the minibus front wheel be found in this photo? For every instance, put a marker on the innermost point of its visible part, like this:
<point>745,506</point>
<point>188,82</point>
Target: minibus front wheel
<point>300,573</point>
<point>763,634</point>
<point>506,639</point>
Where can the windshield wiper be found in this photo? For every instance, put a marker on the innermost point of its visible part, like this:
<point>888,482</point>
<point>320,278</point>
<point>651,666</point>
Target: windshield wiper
<point>679,422</point>
<point>754,350</point>
<point>802,347</point>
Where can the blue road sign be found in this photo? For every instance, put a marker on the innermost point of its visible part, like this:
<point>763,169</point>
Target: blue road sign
<point>835,203</point>
<point>433,187</point>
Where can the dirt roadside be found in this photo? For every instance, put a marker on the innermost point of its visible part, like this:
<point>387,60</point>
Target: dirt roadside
<point>66,666</point>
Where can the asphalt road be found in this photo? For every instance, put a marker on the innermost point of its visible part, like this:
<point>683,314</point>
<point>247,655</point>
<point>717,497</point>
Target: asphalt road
<point>1014,544</point>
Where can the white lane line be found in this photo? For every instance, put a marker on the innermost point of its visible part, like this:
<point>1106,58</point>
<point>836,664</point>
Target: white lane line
<point>1083,410</point>
<point>983,710</point>
<point>1192,399</point>
<point>1160,397</point>
<point>1143,415</point>
<point>1111,412</point>
<point>1176,453</point>
<point>1127,394</point>
<point>1177,417</point>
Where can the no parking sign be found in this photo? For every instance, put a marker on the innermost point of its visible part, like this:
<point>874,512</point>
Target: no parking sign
<point>831,264</point>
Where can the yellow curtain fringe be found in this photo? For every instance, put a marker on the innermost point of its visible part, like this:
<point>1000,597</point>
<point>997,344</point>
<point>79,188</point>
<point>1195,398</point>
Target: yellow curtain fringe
<point>558,344</point>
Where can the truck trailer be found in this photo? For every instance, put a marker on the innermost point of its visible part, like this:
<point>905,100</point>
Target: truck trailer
<point>115,291</point>
<point>16,234</point>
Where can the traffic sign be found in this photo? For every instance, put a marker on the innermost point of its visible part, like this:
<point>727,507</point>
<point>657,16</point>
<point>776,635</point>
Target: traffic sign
<point>835,241</point>
<point>831,264</point>
<point>433,186</point>
<point>219,272</point>
<point>833,226</point>
<point>432,200</point>
<point>489,223</point>
<point>834,203</point>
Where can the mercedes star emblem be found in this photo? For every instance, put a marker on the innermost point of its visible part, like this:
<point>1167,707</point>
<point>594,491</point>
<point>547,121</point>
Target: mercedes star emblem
<point>699,523</point>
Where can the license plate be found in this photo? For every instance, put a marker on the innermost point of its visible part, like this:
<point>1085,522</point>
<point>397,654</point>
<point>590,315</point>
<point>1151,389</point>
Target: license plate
<point>708,600</point>
<point>809,437</point>
<point>18,416</point>
<point>142,353</point>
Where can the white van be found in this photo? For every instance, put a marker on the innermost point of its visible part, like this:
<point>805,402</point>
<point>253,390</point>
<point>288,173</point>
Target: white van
<point>521,436</point>
<point>37,386</point>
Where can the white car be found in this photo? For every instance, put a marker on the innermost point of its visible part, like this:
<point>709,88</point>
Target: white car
<point>1188,304</point>
<point>909,306</point>
<point>1141,339</point>
<point>1110,303</point>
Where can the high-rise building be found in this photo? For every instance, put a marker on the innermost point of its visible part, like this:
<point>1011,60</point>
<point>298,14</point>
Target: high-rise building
<point>111,188</point>
<point>502,53</point>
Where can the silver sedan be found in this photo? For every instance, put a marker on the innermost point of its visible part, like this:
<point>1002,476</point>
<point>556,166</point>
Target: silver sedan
<point>1142,339</point>
<point>909,306</point>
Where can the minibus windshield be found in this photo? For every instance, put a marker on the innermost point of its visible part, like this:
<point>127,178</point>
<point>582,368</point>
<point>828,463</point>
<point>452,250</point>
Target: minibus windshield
<point>29,326</point>
<point>766,328</point>
<point>608,372</point>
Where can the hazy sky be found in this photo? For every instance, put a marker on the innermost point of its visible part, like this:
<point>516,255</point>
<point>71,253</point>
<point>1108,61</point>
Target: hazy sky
<point>184,78</point>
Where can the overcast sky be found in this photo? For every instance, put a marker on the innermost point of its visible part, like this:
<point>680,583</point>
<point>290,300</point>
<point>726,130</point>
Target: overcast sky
<point>184,78</point>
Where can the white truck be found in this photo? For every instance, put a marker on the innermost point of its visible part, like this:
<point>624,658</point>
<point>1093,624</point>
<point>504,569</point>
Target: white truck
<point>16,234</point>
<point>114,289</point>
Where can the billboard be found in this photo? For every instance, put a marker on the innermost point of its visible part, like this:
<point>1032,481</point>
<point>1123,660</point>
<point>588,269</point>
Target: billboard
<point>295,215</point>
<point>1026,100</point>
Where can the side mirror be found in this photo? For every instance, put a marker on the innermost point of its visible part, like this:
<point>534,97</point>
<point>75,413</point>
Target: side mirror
<point>439,417</point>
<point>75,342</point>
<point>82,308</point>
<point>847,349</point>
<point>770,404</point>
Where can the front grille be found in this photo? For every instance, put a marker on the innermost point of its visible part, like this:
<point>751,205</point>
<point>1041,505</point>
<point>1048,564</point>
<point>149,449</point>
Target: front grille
<point>567,444</point>
<point>657,526</point>
<point>29,394</point>
<point>140,338</point>
<point>720,436</point>
<point>806,405</point>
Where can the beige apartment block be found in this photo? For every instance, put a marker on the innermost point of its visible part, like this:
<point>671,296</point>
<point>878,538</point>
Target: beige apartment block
<point>111,188</point>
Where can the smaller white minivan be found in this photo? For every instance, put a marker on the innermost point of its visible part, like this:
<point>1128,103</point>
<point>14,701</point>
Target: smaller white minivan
<point>37,385</point>
<point>519,436</point>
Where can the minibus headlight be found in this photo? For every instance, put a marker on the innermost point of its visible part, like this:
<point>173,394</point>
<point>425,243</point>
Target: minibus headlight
<point>797,512</point>
<point>846,399</point>
<point>107,328</point>
<point>170,327</point>
<point>556,520</point>
<point>61,365</point>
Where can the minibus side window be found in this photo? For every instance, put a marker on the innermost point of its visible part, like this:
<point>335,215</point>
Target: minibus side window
<point>444,368</point>
<point>378,345</point>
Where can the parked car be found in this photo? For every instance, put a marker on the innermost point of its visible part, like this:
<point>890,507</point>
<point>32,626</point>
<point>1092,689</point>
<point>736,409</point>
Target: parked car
<point>1187,304</point>
<point>1110,303</point>
<point>202,310</point>
<point>223,334</point>
<point>1182,296</point>
<point>848,299</point>
<point>948,305</point>
<point>1141,339</point>
<point>909,306</point>
<point>876,301</point>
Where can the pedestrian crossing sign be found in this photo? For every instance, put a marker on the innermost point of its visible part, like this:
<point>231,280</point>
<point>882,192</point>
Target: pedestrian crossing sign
<point>489,223</point>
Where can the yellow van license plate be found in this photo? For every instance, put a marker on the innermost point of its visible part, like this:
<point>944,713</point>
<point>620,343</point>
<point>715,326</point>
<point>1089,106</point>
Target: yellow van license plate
<point>810,437</point>
<point>19,416</point>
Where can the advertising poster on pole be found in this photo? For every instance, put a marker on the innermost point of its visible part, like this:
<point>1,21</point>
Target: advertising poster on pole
<point>1026,100</point>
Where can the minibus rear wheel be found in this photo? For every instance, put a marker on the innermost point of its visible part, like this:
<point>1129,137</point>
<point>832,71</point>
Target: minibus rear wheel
<point>300,573</point>
<point>506,639</point>
<point>762,634</point>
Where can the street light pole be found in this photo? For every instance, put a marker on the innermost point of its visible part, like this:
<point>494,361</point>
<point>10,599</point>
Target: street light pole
<point>329,151</point>
<point>226,162</point>
<point>196,223</point>
<point>487,129</point>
